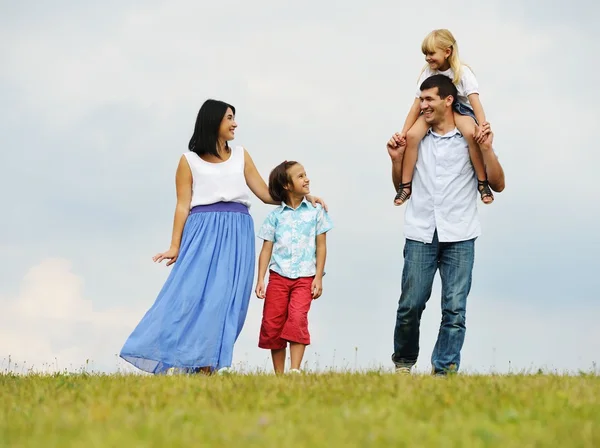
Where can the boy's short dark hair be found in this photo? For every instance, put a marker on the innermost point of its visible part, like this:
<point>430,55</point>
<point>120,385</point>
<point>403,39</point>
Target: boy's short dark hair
<point>279,179</point>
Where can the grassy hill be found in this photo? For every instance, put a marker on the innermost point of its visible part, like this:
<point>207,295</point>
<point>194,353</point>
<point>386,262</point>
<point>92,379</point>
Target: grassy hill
<point>324,410</point>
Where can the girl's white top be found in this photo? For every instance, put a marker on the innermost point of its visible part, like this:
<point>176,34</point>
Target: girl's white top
<point>466,86</point>
<point>219,182</point>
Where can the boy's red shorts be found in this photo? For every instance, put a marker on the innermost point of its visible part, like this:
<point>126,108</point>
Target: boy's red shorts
<point>285,313</point>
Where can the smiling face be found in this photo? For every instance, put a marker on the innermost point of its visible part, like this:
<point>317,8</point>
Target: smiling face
<point>227,127</point>
<point>433,106</point>
<point>299,184</point>
<point>437,58</point>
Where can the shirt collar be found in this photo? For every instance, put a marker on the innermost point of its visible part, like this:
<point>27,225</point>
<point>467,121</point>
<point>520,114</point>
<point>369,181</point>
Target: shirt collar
<point>452,133</point>
<point>284,205</point>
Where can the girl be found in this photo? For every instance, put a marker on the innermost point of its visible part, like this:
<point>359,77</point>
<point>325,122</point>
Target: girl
<point>441,53</point>
<point>294,249</point>
<point>200,311</point>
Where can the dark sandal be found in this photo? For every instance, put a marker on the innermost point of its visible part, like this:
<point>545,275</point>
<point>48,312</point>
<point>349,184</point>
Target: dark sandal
<point>402,195</point>
<point>485,191</point>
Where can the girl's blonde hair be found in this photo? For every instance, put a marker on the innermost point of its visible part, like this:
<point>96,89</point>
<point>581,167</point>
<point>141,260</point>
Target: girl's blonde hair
<point>443,39</point>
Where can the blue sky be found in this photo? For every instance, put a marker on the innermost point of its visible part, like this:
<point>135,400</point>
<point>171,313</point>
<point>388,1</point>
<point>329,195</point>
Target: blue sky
<point>99,102</point>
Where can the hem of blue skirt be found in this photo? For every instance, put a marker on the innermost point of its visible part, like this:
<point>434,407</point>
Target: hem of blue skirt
<point>131,359</point>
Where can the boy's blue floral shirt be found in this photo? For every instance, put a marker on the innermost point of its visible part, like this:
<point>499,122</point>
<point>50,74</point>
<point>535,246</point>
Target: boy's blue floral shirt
<point>294,234</point>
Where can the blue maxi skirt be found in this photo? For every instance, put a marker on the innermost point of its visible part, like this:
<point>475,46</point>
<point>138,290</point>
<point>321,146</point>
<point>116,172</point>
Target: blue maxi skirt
<point>201,309</point>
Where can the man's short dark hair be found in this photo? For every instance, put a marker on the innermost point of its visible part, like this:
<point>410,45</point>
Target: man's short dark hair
<point>444,85</point>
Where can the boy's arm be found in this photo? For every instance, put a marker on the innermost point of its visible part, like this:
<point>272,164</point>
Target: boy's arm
<point>263,263</point>
<point>267,234</point>
<point>317,286</point>
<point>321,254</point>
<point>264,259</point>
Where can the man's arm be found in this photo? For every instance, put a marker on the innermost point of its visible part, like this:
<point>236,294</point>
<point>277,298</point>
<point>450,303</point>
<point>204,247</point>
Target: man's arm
<point>396,153</point>
<point>493,169</point>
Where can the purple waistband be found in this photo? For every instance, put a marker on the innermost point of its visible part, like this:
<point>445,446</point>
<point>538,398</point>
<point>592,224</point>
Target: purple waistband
<point>221,207</point>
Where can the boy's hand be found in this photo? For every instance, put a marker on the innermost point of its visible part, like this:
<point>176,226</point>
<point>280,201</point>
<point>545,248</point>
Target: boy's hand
<point>317,287</point>
<point>260,289</point>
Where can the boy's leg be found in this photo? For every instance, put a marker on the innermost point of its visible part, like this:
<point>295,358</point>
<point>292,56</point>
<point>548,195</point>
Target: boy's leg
<point>295,329</point>
<point>467,127</point>
<point>456,267</point>
<point>296,355</point>
<point>420,264</point>
<point>274,317</point>
<point>414,136</point>
<point>278,356</point>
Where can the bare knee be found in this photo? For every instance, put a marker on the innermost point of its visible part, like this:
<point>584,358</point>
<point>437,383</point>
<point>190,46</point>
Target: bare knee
<point>415,135</point>
<point>465,124</point>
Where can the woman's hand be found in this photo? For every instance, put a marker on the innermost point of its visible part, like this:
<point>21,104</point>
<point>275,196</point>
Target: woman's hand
<point>170,255</point>
<point>314,200</point>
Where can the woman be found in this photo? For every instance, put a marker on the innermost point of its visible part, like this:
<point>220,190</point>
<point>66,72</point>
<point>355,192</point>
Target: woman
<point>200,311</point>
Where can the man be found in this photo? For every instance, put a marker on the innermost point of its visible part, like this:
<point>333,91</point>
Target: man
<point>440,226</point>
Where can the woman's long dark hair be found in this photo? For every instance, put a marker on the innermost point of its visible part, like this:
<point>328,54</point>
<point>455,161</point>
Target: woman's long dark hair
<point>279,179</point>
<point>206,132</point>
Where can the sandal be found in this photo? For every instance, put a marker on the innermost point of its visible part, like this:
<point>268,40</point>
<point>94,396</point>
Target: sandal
<point>403,195</point>
<point>484,190</point>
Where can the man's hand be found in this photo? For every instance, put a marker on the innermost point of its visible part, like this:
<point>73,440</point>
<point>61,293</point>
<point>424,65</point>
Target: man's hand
<point>487,142</point>
<point>396,146</point>
<point>482,132</point>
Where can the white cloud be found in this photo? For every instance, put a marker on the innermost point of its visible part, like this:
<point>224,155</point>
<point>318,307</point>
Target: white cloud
<point>51,326</point>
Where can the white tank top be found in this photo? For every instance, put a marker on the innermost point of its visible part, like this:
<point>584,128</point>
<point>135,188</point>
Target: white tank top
<point>219,182</point>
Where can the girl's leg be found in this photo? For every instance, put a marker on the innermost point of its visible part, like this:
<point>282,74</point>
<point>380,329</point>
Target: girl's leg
<point>278,356</point>
<point>413,138</point>
<point>296,353</point>
<point>467,127</point>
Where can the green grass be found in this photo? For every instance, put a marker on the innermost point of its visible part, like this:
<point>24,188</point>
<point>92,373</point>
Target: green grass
<point>325,410</point>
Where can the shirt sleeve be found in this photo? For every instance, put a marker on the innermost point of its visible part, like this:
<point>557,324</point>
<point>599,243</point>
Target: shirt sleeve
<point>267,230</point>
<point>324,223</point>
<point>468,81</point>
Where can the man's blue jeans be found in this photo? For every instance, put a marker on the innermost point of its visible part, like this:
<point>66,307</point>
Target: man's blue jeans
<point>421,261</point>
